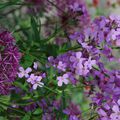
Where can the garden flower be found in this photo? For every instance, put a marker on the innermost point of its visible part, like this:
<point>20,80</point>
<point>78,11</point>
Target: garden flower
<point>73,111</point>
<point>9,61</point>
<point>35,66</point>
<point>24,73</point>
<point>63,79</point>
<point>32,79</point>
<point>116,111</point>
<point>61,66</point>
<point>75,7</point>
<point>90,63</point>
<point>79,48</point>
<point>81,69</point>
<point>103,114</point>
<point>38,83</point>
<point>35,81</point>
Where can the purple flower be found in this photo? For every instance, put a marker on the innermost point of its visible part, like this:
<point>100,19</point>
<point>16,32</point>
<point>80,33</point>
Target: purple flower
<point>73,112</point>
<point>63,79</point>
<point>90,63</point>
<point>30,107</point>
<point>35,81</point>
<point>103,115</point>
<point>81,69</point>
<point>75,7</point>
<point>116,111</point>
<point>24,73</point>
<point>61,66</point>
<point>9,61</point>
<point>35,66</point>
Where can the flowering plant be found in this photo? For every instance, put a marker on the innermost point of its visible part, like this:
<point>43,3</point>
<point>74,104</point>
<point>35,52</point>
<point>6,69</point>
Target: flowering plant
<point>59,60</point>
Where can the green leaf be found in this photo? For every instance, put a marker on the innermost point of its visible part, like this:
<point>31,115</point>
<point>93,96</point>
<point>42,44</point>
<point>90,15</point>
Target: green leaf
<point>27,116</point>
<point>27,60</point>
<point>35,28</point>
<point>37,111</point>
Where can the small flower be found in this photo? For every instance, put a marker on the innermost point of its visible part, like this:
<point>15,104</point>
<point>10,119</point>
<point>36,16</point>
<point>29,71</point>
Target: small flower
<point>63,79</point>
<point>32,79</point>
<point>75,7</point>
<point>73,111</point>
<point>61,66</point>
<point>103,114</point>
<point>90,63</point>
<point>118,42</point>
<point>81,69</point>
<point>23,72</point>
<point>77,59</point>
<point>35,81</point>
<point>116,111</point>
<point>35,66</point>
<point>38,82</point>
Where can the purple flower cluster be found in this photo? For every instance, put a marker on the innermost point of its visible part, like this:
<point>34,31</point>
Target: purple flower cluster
<point>9,61</point>
<point>74,65</point>
<point>96,41</point>
<point>73,111</point>
<point>32,78</point>
<point>73,10</point>
<point>84,65</point>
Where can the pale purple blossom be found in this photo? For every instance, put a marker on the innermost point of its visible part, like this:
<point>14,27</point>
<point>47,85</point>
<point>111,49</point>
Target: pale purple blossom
<point>61,66</point>
<point>63,79</point>
<point>24,72</point>
<point>35,81</point>
<point>116,111</point>
<point>90,63</point>
<point>75,7</point>
<point>35,66</point>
